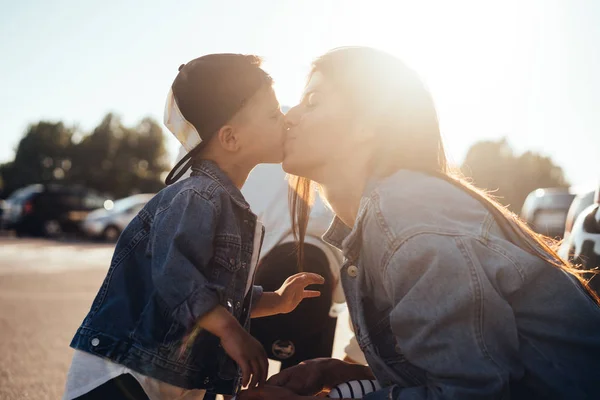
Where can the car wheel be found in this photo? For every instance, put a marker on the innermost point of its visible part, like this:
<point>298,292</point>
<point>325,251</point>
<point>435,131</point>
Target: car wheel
<point>111,234</point>
<point>52,228</point>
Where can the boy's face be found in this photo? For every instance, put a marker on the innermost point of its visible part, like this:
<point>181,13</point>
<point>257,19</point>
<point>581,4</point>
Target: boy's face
<point>260,128</point>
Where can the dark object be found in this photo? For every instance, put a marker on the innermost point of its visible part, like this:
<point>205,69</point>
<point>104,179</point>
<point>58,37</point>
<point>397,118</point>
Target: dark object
<point>308,331</point>
<point>2,207</point>
<point>50,209</point>
<point>579,204</point>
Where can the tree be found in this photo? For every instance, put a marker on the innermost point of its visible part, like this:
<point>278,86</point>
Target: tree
<point>43,155</point>
<point>113,159</point>
<point>119,160</point>
<point>493,165</point>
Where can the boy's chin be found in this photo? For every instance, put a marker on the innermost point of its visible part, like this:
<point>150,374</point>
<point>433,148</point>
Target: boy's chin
<point>274,158</point>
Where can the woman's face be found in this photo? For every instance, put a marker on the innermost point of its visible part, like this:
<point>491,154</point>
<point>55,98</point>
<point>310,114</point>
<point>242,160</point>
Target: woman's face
<point>321,130</point>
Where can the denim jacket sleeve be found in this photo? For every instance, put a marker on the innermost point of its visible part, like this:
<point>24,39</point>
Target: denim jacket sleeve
<point>448,319</point>
<point>183,241</point>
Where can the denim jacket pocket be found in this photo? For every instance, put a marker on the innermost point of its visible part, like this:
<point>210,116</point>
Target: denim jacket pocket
<point>228,251</point>
<point>152,324</point>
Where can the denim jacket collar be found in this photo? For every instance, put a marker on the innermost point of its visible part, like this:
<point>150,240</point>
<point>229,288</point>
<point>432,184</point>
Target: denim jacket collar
<point>212,170</point>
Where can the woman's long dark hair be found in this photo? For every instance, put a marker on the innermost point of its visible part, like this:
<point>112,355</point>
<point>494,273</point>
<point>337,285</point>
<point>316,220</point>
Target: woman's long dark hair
<point>377,83</point>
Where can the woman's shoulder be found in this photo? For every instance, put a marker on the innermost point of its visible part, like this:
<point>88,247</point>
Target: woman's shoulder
<point>410,202</point>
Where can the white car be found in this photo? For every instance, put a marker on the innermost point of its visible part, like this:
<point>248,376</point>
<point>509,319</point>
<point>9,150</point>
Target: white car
<point>582,244</point>
<point>107,223</point>
<point>545,210</point>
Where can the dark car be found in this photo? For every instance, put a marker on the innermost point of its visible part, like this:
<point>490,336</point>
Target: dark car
<point>582,243</point>
<point>580,203</point>
<point>49,209</point>
<point>545,210</point>
<point>2,208</point>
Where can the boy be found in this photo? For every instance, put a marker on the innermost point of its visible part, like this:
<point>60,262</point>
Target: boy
<point>184,267</point>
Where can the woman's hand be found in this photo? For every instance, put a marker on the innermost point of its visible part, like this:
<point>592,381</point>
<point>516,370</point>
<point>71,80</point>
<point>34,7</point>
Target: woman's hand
<point>268,393</point>
<point>314,376</point>
<point>307,378</point>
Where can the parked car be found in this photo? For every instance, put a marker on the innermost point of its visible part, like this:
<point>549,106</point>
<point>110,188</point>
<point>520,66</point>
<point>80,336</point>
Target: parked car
<point>2,208</point>
<point>108,222</point>
<point>49,209</point>
<point>582,244</point>
<point>545,210</point>
<point>580,203</point>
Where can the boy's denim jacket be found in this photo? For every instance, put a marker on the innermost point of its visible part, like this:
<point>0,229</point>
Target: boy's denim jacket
<point>446,306</point>
<point>188,249</point>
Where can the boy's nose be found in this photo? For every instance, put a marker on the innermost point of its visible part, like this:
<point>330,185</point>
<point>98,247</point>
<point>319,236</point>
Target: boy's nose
<point>292,117</point>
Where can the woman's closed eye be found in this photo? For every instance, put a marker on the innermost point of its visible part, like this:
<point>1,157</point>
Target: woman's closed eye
<point>312,99</point>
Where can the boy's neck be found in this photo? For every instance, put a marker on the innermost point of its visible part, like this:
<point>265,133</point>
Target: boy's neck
<point>236,171</point>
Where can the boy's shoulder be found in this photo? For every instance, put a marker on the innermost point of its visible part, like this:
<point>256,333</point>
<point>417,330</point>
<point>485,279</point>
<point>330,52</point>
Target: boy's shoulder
<point>200,187</point>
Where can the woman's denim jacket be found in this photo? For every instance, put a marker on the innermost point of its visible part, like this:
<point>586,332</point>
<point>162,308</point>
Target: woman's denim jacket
<point>187,250</point>
<point>445,306</point>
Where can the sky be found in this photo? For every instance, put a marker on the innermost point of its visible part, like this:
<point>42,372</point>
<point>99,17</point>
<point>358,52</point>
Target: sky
<point>526,70</point>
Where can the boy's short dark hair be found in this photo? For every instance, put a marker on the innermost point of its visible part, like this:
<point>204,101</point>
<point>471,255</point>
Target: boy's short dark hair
<point>209,91</point>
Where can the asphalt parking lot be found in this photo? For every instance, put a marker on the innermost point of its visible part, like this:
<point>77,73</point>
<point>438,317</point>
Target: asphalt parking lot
<point>46,288</point>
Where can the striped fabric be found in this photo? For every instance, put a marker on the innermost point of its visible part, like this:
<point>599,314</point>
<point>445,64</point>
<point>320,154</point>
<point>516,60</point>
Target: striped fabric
<point>354,389</point>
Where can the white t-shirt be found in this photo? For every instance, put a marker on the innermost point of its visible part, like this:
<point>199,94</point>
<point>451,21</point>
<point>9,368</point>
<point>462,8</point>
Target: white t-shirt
<point>266,190</point>
<point>88,371</point>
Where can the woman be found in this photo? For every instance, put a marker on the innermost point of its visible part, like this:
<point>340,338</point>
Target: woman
<point>451,296</point>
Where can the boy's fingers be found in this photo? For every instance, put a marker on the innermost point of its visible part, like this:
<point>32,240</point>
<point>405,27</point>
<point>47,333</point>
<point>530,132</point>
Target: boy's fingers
<point>245,373</point>
<point>311,293</point>
<point>264,364</point>
<point>314,278</point>
<point>256,374</point>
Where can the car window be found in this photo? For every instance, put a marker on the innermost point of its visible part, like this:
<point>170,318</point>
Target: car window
<point>92,201</point>
<point>25,193</point>
<point>562,200</point>
<point>137,209</point>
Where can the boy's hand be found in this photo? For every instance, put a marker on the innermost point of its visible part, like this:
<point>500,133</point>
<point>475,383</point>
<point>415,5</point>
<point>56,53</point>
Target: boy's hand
<point>293,290</point>
<point>248,353</point>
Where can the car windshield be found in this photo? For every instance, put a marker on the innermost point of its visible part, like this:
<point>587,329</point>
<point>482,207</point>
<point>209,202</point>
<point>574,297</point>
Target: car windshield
<point>562,199</point>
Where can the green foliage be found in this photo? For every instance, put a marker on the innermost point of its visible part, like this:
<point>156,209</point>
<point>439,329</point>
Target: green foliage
<point>494,166</point>
<point>113,158</point>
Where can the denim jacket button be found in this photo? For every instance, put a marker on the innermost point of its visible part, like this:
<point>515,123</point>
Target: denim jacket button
<point>353,271</point>
<point>238,304</point>
<point>95,342</point>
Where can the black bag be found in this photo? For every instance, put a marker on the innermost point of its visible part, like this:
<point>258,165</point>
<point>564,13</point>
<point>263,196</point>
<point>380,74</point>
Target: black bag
<point>308,331</point>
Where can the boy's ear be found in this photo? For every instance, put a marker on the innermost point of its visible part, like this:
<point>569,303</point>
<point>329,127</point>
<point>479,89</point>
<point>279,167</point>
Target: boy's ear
<point>228,138</point>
